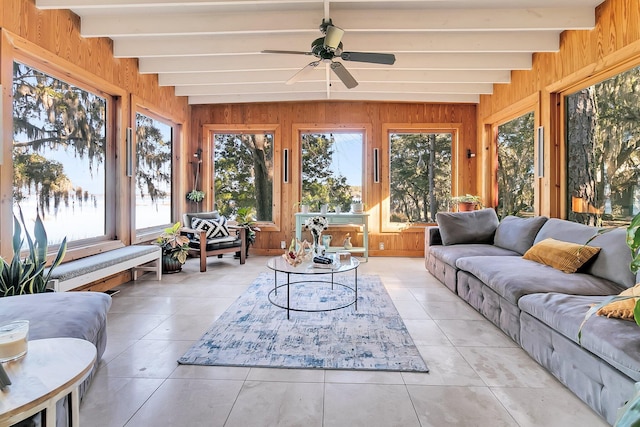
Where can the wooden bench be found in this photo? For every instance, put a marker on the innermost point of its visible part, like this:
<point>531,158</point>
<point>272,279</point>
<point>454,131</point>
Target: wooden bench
<point>83,271</point>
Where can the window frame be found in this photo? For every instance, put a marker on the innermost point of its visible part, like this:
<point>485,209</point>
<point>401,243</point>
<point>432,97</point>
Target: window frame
<point>208,165</point>
<point>18,50</point>
<point>490,139</point>
<point>139,235</point>
<point>455,129</point>
<point>298,129</point>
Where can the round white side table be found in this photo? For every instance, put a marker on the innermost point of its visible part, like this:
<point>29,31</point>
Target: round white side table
<point>52,369</point>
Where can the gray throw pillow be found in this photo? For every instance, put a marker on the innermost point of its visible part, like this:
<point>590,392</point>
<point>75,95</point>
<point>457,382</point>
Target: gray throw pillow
<point>467,227</point>
<point>517,234</point>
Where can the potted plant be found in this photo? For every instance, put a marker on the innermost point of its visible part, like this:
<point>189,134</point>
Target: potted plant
<point>357,206</point>
<point>28,275</point>
<point>175,248</point>
<point>467,203</point>
<point>305,204</point>
<point>245,218</point>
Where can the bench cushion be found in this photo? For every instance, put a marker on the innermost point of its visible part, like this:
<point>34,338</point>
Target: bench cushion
<point>450,254</point>
<point>96,262</point>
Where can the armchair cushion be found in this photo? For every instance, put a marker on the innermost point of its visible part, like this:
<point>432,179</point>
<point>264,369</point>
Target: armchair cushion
<point>212,228</point>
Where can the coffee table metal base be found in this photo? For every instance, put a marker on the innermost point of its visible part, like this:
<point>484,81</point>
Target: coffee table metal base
<point>332,282</point>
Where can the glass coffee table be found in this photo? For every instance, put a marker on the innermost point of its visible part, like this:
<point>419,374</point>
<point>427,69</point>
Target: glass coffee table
<point>315,275</point>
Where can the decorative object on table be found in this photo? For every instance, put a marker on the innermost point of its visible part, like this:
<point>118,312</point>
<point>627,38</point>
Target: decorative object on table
<point>343,256</point>
<point>347,242</point>
<point>357,206</point>
<point>316,224</point>
<point>13,340</point>
<point>175,248</point>
<point>337,209</point>
<point>28,275</point>
<point>467,203</point>
<point>326,240</point>
<point>324,208</point>
<point>245,217</point>
<point>253,332</point>
<point>298,252</point>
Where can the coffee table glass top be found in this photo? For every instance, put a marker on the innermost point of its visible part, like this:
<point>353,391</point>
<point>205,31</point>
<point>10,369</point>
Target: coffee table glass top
<point>279,264</point>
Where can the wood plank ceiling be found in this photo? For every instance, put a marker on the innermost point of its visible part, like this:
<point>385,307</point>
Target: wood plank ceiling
<point>446,50</point>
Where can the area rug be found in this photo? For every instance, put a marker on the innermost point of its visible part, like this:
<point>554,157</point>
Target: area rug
<point>253,332</point>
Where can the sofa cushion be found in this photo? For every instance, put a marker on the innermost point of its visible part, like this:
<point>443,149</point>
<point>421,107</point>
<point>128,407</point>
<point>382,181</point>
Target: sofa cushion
<point>450,254</point>
<point>517,234</point>
<point>512,277</point>
<point>565,256</point>
<point>614,340</point>
<point>467,227</point>
<point>612,263</point>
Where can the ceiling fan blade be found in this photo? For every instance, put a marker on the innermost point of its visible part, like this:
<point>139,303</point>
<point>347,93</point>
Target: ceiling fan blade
<point>333,37</point>
<point>288,52</point>
<point>344,75</point>
<point>376,58</point>
<point>300,74</point>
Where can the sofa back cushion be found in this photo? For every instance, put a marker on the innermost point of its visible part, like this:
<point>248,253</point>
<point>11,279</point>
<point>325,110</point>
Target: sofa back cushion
<point>467,227</point>
<point>517,234</point>
<point>612,262</point>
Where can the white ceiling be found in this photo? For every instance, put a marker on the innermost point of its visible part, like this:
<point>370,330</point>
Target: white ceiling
<point>446,50</point>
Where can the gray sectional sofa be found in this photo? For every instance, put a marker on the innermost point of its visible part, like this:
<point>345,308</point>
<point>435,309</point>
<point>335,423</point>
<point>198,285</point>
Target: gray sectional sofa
<point>540,307</point>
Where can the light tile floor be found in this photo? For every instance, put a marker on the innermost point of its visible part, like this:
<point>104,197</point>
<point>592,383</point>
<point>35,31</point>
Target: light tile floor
<point>479,377</point>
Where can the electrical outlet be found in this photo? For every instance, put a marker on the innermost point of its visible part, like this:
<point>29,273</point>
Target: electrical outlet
<point>283,244</point>
<point>381,246</point>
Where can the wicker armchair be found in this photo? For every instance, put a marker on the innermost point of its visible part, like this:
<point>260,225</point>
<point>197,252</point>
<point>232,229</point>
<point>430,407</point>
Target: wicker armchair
<point>234,242</point>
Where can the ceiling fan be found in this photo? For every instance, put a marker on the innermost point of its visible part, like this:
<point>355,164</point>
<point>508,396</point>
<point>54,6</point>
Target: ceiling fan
<point>329,47</point>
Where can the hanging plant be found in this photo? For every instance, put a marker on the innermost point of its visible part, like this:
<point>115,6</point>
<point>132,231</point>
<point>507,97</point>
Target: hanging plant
<point>195,195</point>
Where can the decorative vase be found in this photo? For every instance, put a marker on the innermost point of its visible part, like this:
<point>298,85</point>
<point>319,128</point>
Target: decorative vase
<point>304,208</point>
<point>347,243</point>
<point>326,240</point>
<point>170,264</point>
<point>357,207</point>
<point>338,209</point>
<point>317,247</point>
<point>324,209</point>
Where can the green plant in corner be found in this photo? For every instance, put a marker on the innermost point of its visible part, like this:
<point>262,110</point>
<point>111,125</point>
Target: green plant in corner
<point>246,219</point>
<point>27,275</point>
<point>173,243</point>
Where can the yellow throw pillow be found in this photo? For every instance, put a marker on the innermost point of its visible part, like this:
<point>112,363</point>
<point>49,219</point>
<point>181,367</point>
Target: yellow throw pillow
<point>564,256</point>
<point>622,309</point>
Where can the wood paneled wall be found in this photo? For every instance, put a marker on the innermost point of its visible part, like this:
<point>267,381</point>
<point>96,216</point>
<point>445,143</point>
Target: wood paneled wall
<point>584,58</point>
<point>369,115</point>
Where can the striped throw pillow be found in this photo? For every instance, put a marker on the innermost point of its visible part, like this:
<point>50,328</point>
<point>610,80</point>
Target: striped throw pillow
<point>564,256</point>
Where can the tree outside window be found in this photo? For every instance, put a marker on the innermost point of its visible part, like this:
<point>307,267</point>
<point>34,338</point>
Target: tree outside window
<point>420,176</point>
<point>603,151</point>
<point>331,168</point>
<point>59,153</point>
<point>515,167</point>
<point>154,141</point>
<point>243,173</point>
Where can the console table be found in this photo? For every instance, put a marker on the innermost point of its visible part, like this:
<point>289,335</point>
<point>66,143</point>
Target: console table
<point>52,369</point>
<point>359,219</point>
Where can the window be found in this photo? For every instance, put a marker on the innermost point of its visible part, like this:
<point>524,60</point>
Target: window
<point>420,172</point>
<point>603,156</point>
<point>243,175</point>
<point>154,141</point>
<point>59,155</point>
<point>515,167</point>
<point>331,168</point>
